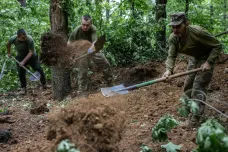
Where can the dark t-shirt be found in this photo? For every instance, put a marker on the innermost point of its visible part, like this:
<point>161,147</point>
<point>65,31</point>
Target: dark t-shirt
<point>23,47</point>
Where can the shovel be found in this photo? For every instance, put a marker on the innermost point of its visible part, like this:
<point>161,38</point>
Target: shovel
<point>34,77</point>
<point>98,44</point>
<point>121,89</point>
<point>3,67</point>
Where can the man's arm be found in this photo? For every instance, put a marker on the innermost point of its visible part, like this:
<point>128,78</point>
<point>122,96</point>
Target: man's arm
<point>172,54</point>
<point>212,43</point>
<point>31,46</point>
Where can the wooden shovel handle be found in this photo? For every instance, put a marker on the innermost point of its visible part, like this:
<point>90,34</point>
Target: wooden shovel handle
<point>185,73</point>
<point>161,79</point>
<point>25,68</point>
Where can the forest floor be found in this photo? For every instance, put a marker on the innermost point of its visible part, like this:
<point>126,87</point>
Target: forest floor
<point>120,123</point>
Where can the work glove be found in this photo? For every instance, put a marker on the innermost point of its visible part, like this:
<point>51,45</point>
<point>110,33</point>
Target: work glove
<point>91,49</point>
<point>167,73</point>
<point>206,66</point>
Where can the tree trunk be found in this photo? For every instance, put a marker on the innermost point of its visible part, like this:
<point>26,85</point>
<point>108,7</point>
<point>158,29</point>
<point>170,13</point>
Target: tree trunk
<point>186,7</point>
<point>212,15</point>
<point>224,16</point>
<point>160,16</point>
<point>61,84</point>
<point>107,11</point>
<point>23,2</point>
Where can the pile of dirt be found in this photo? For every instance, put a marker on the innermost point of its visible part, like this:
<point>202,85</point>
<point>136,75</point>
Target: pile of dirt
<point>92,125</point>
<point>139,73</point>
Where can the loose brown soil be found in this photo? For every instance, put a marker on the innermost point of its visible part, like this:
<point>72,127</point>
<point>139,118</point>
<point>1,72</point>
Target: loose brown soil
<point>119,123</point>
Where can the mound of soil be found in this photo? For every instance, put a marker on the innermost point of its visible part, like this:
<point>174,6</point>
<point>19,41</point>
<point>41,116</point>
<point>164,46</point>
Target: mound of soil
<point>91,124</point>
<point>139,73</point>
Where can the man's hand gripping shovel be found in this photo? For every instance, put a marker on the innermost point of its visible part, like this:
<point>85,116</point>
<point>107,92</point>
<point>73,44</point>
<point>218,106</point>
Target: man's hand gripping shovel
<point>35,76</point>
<point>96,47</point>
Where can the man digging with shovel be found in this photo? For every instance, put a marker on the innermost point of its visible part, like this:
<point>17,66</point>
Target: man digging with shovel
<point>87,31</point>
<point>202,48</point>
<point>26,55</point>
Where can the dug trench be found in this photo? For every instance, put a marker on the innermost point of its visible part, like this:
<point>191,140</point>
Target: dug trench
<point>119,123</point>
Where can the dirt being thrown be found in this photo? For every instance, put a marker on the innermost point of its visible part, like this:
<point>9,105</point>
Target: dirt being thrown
<point>56,52</point>
<point>91,125</point>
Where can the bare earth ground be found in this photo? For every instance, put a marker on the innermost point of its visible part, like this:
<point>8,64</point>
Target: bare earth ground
<point>119,123</point>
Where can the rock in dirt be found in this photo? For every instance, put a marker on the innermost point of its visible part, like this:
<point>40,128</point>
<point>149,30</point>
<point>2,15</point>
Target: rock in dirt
<point>41,109</point>
<point>226,70</point>
<point>5,135</point>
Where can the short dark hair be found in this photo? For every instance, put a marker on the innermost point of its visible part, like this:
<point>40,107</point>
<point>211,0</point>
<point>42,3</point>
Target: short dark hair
<point>21,31</point>
<point>87,17</point>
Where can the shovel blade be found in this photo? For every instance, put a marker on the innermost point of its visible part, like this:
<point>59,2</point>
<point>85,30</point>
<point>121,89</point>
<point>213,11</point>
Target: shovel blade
<point>115,90</point>
<point>32,78</point>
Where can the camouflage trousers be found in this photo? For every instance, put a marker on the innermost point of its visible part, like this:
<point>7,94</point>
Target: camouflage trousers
<point>83,66</point>
<point>195,86</point>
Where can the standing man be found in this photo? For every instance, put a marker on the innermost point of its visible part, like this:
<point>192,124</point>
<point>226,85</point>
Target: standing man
<point>202,48</point>
<point>87,31</point>
<point>26,55</point>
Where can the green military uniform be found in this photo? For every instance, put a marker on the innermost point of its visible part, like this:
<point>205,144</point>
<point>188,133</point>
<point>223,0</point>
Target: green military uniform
<point>98,58</point>
<point>201,46</point>
<point>22,48</point>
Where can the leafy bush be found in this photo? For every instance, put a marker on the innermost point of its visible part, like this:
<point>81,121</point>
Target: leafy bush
<point>165,124</point>
<point>211,137</point>
<point>187,106</point>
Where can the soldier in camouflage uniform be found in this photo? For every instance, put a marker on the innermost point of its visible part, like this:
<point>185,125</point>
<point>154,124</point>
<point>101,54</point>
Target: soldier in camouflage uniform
<point>87,31</point>
<point>202,48</point>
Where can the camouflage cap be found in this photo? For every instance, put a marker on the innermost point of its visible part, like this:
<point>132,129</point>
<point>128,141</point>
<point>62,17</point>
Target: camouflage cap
<point>177,18</point>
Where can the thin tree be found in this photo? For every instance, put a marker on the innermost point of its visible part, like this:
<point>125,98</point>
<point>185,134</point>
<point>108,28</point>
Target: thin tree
<point>61,84</point>
<point>160,16</point>
<point>23,2</point>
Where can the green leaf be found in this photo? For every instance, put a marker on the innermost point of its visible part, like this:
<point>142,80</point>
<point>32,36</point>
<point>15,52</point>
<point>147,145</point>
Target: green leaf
<point>166,123</point>
<point>194,107</point>
<point>211,137</point>
<point>144,148</point>
<point>183,111</point>
<point>170,147</point>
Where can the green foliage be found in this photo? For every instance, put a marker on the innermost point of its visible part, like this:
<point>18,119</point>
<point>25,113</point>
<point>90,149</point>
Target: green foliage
<point>170,147</point>
<point>145,148</point>
<point>3,109</point>
<point>187,106</point>
<point>34,18</point>
<point>211,137</point>
<point>165,124</point>
<point>66,146</point>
